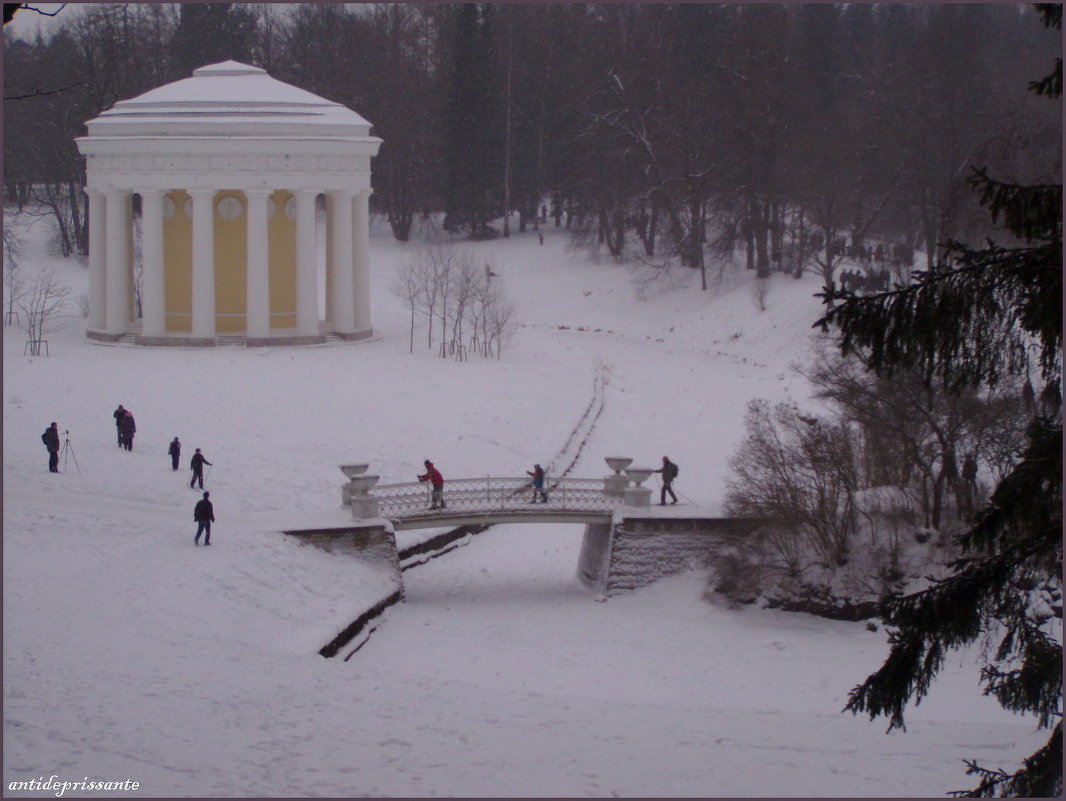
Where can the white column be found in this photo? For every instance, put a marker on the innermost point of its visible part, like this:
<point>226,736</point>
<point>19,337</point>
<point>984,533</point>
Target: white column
<point>203,263</point>
<point>117,314</point>
<point>97,261</point>
<point>361,257</point>
<point>153,291</point>
<point>306,268</point>
<point>258,267</point>
<point>341,284</point>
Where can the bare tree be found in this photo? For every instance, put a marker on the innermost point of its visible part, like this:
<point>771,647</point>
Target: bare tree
<point>500,322</point>
<point>465,280</point>
<point>800,473</point>
<point>444,284</point>
<point>43,303</point>
<point>409,287</point>
<point>14,277</point>
<point>917,437</point>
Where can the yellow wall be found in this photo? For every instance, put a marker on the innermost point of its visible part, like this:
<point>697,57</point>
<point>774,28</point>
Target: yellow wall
<point>177,265</point>
<point>231,259</point>
<point>282,265</point>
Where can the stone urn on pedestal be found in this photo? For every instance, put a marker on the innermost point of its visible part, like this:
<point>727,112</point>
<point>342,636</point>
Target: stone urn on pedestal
<point>356,493</point>
<point>615,485</point>
<point>638,495</point>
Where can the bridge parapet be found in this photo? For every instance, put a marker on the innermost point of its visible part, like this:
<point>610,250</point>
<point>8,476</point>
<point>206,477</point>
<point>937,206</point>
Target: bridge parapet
<point>488,495</point>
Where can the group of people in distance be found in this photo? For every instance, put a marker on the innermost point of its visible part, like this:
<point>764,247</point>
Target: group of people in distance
<point>125,428</point>
<point>204,513</point>
<point>436,480</point>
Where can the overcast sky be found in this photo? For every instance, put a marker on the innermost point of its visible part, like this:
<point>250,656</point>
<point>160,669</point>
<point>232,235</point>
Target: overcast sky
<point>26,23</point>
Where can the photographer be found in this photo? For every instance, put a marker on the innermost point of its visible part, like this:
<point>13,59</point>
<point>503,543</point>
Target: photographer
<point>50,438</point>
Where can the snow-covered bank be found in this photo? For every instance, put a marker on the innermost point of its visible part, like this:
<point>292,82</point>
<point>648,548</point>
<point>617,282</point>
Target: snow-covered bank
<point>129,653</point>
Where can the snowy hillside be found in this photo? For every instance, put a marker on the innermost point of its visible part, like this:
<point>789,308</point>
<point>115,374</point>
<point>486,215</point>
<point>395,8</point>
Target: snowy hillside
<point>131,654</point>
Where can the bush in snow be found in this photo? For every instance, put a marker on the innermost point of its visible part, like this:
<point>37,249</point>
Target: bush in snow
<point>866,501</point>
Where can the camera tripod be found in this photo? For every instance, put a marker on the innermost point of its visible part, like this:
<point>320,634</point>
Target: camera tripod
<point>68,450</point>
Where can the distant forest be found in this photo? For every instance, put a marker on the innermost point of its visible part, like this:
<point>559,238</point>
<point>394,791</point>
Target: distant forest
<point>673,132</point>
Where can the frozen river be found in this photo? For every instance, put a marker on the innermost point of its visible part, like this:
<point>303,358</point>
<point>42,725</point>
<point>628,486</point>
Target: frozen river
<point>515,670</point>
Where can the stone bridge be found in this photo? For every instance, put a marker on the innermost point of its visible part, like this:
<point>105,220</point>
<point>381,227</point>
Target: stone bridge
<point>488,500</point>
<point>626,543</point>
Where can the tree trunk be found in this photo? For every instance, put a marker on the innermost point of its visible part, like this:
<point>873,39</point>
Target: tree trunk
<point>801,251</point>
<point>749,241</point>
<point>507,141</point>
<point>760,217</point>
<point>777,236</point>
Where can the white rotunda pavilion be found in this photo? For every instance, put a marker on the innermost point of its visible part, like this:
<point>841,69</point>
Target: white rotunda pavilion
<point>228,166</point>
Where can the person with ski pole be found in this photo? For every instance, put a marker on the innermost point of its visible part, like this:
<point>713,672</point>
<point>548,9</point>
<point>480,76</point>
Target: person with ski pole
<point>538,483</point>
<point>433,476</point>
<point>197,464</point>
<point>669,471</point>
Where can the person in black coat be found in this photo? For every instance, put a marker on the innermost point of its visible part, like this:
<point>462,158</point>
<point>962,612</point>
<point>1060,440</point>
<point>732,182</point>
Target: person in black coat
<point>119,414</point>
<point>197,464</point>
<point>175,452</point>
<point>128,428</point>
<point>204,515</point>
<point>50,437</point>
<point>669,471</point>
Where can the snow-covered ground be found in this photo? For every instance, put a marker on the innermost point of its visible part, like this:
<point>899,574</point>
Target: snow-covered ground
<point>130,654</point>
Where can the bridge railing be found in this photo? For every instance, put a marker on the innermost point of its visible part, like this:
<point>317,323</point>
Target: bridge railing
<point>495,494</point>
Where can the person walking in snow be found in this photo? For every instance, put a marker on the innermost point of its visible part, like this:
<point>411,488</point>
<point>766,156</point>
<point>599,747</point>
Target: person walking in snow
<point>197,464</point>
<point>669,471</point>
<point>127,429</point>
<point>118,415</point>
<point>538,482</point>
<point>204,515</point>
<point>433,476</point>
<point>50,438</point>
<point>175,452</point>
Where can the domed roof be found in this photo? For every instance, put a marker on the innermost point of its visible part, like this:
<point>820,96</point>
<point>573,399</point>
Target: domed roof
<point>229,99</point>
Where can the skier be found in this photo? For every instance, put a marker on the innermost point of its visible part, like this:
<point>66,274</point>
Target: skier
<point>50,438</point>
<point>118,415</point>
<point>127,428</point>
<point>538,483</point>
<point>197,464</point>
<point>204,515</point>
<point>669,471</point>
<point>175,452</point>
<point>433,476</point>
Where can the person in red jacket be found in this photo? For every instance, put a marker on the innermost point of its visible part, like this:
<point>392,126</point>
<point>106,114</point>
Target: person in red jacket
<point>433,476</point>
